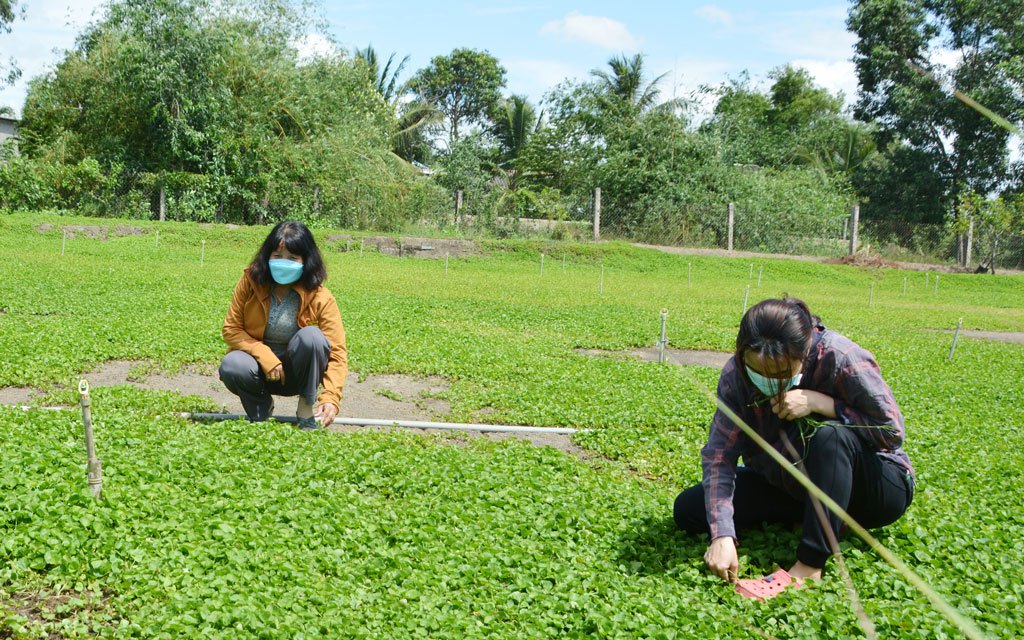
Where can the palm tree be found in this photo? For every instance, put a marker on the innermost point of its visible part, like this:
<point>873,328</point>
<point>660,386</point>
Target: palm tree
<point>412,115</point>
<point>385,80</point>
<point>515,120</point>
<point>854,149</point>
<point>625,82</point>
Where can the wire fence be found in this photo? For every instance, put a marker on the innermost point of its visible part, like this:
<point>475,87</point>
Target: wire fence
<point>828,234</point>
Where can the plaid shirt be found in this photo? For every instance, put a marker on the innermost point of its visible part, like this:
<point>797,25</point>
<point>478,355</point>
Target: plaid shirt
<point>835,366</point>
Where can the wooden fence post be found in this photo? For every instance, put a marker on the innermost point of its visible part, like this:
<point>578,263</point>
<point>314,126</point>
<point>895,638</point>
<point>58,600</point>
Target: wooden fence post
<point>597,213</point>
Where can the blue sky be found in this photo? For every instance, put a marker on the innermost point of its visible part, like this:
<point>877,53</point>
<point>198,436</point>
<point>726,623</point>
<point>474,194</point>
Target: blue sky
<point>539,43</point>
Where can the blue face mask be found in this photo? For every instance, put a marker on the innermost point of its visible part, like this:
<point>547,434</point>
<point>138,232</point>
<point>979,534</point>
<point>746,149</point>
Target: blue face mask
<point>285,271</point>
<point>773,386</point>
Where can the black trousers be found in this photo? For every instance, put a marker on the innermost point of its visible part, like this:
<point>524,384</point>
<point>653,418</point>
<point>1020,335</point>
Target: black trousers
<point>305,362</point>
<point>875,491</point>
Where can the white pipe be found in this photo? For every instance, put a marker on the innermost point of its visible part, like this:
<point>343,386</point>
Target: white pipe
<point>407,424</point>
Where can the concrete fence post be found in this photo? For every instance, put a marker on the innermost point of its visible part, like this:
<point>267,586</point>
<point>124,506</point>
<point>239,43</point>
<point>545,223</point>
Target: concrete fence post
<point>732,224</point>
<point>970,242</point>
<point>458,206</point>
<point>854,228</point>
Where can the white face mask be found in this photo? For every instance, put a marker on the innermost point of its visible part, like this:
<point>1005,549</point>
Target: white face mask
<point>772,386</point>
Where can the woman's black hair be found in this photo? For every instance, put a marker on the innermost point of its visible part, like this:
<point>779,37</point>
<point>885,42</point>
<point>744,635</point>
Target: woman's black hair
<point>297,239</point>
<point>776,329</point>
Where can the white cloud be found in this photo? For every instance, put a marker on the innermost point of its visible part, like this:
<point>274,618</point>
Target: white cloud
<point>809,41</point>
<point>840,75</point>
<point>38,42</point>
<point>714,13</point>
<point>949,58</point>
<point>312,46</point>
<point>597,30</point>
<point>534,77</point>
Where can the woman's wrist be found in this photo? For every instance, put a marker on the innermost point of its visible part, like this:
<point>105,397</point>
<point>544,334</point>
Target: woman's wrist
<point>823,404</point>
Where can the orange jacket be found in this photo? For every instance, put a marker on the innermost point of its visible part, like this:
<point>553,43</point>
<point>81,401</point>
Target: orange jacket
<point>247,319</point>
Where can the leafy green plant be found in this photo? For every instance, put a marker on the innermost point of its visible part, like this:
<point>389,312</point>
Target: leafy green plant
<point>260,530</point>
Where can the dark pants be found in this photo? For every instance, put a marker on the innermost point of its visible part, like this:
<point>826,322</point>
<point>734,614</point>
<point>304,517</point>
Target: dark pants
<point>305,361</point>
<point>875,491</point>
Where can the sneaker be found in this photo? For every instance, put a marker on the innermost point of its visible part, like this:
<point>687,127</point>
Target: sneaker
<point>308,424</point>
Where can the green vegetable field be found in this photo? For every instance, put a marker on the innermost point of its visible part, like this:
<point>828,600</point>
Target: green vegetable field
<point>236,530</point>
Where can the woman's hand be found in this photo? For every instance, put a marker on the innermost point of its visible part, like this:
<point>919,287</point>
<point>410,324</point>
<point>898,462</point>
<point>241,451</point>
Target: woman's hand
<point>721,558</point>
<point>326,412</point>
<point>276,374</point>
<point>800,403</point>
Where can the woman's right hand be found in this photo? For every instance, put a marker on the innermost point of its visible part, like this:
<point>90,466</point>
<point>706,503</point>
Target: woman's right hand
<point>721,558</point>
<point>276,374</point>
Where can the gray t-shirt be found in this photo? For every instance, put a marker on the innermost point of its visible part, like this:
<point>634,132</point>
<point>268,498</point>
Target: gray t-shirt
<point>281,322</point>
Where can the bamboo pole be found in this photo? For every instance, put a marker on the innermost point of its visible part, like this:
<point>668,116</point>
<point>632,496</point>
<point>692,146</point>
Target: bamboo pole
<point>95,467</point>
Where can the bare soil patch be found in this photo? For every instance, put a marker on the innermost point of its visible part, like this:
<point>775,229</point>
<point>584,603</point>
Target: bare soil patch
<point>386,397</point>
<point>96,232</point>
<point>42,608</point>
<point>408,246</point>
<point>1016,337</point>
<point>679,357</point>
<point>860,260</point>
<point>865,260</point>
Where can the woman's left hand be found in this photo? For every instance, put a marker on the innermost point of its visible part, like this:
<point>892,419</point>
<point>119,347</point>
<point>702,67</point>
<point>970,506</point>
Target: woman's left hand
<point>326,412</point>
<point>799,403</point>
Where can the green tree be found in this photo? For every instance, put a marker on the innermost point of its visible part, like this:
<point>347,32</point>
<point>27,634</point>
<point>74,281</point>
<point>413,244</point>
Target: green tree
<point>794,121</point>
<point>465,86</point>
<point>625,84</point>
<point>414,116</point>
<point>209,101</point>
<point>515,121</point>
<point>385,79</point>
<point>903,87</point>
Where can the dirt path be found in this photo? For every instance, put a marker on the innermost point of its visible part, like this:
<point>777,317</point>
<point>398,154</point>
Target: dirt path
<point>859,260</point>
<point>386,397</point>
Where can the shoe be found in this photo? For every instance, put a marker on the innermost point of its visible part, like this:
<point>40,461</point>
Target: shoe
<point>308,424</point>
<point>768,586</point>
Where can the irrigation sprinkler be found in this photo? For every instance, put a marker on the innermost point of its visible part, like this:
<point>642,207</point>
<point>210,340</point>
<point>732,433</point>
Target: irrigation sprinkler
<point>202,253</point>
<point>405,424</point>
<point>956,334</point>
<point>746,294</point>
<point>751,275</point>
<point>936,284</point>
<point>871,295</point>
<point>600,283</point>
<point>760,272</point>
<point>542,264</point>
<point>94,468</point>
<point>663,342</point>
<point>904,285</point>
